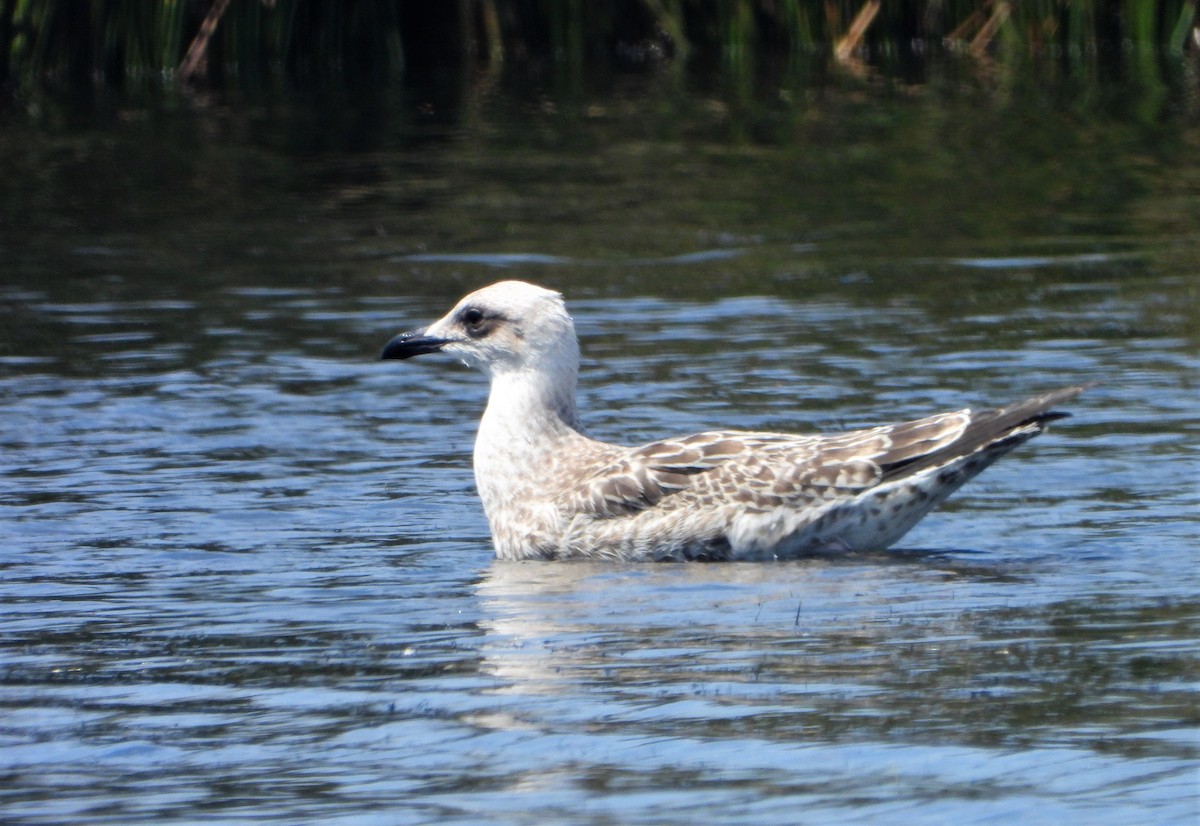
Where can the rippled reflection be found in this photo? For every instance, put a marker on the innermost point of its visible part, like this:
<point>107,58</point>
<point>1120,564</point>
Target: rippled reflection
<point>244,575</point>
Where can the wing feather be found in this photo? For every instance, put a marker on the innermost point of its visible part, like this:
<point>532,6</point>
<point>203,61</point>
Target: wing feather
<point>762,471</point>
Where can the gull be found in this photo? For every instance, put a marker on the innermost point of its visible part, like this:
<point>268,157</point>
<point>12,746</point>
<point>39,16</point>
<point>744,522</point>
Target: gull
<point>552,492</point>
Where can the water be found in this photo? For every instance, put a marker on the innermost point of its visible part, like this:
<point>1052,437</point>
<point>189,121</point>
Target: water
<point>246,577</point>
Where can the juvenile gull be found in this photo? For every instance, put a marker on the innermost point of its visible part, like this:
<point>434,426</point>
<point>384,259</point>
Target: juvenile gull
<point>552,492</point>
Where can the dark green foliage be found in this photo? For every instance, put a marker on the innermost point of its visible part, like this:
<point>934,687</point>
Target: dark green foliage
<point>85,42</point>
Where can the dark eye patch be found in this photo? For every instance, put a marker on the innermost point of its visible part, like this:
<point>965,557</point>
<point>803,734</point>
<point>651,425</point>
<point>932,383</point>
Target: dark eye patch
<point>479,322</point>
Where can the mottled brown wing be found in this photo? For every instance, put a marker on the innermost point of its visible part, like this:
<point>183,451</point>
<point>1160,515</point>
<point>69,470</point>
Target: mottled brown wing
<point>760,471</point>
<point>754,470</point>
<point>843,465</point>
<point>895,445</point>
<point>645,475</point>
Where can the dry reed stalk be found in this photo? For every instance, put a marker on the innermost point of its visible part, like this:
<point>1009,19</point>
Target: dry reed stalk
<point>983,38</point>
<point>196,59</point>
<point>849,43</point>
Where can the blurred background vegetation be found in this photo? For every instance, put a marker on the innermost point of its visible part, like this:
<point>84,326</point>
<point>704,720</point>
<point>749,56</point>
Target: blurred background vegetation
<point>253,43</point>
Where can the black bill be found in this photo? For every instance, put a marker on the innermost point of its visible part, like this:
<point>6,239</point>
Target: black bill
<point>407,345</point>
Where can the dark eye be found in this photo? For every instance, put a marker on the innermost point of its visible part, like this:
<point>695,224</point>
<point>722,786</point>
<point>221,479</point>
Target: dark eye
<point>477,322</point>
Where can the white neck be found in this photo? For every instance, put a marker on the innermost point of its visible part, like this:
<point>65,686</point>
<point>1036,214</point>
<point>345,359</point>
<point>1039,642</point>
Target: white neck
<point>528,418</point>
<point>529,406</point>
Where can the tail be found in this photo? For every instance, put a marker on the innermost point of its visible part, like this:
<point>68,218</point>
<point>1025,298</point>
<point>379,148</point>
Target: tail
<point>995,431</point>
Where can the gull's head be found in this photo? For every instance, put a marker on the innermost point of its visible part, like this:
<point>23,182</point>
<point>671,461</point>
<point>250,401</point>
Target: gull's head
<point>507,327</point>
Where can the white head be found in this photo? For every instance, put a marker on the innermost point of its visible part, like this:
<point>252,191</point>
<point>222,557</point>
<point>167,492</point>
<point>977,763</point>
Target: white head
<point>509,327</point>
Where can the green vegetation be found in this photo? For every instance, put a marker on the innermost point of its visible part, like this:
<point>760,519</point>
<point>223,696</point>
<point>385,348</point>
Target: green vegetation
<point>226,43</point>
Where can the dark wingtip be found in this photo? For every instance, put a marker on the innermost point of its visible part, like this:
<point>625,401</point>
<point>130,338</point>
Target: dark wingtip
<point>407,345</point>
<point>1040,408</point>
<point>1067,394</point>
<point>1053,416</point>
<point>1000,428</point>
